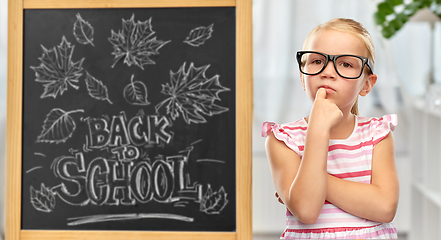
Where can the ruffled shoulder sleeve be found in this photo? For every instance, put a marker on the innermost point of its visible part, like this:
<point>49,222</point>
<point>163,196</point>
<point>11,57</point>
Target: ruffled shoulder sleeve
<point>380,128</point>
<point>292,134</point>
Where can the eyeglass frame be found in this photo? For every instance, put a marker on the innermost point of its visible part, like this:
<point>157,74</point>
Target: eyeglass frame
<point>365,61</point>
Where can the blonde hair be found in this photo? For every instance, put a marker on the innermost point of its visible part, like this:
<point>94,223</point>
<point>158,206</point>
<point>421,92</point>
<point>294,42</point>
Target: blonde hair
<point>348,26</point>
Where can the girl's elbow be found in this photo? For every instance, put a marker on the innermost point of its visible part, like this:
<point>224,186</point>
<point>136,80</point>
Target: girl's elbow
<point>308,219</point>
<point>389,212</point>
<point>306,215</point>
<point>387,218</point>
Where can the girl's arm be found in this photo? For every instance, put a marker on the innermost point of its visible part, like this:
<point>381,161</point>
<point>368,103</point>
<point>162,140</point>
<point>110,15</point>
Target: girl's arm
<point>377,201</point>
<point>302,184</point>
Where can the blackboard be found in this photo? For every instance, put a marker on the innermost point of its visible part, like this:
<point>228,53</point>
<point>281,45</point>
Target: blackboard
<point>129,119</point>
<point>148,138</point>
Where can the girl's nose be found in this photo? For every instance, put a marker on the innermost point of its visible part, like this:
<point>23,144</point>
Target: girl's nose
<point>329,71</point>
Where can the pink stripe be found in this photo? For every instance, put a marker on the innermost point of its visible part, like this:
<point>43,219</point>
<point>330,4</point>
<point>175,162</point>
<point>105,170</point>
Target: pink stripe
<point>332,210</point>
<point>297,133</point>
<point>353,174</point>
<point>329,230</point>
<point>282,131</point>
<point>328,220</point>
<point>342,166</point>
<point>362,129</point>
<point>381,138</point>
<point>294,128</point>
<point>372,119</point>
<point>346,147</point>
<point>361,236</point>
<point>378,233</point>
<point>367,152</point>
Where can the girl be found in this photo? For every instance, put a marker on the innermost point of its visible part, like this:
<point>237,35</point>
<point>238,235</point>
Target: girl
<point>334,170</point>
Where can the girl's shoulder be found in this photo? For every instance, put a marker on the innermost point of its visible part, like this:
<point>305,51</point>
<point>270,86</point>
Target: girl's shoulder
<point>286,129</point>
<point>292,134</point>
<point>377,128</point>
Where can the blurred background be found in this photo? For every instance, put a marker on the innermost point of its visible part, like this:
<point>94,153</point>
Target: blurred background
<point>407,37</point>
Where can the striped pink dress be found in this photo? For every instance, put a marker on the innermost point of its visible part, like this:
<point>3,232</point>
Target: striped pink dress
<point>349,159</point>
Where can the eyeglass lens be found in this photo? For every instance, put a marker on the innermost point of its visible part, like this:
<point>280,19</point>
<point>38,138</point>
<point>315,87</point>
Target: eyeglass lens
<point>347,66</point>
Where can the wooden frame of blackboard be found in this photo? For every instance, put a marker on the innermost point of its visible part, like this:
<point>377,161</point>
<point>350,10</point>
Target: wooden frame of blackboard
<point>15,113</point>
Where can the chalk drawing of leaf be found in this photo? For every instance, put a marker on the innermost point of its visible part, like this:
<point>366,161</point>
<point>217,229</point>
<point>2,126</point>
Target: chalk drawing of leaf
<point>213,202</point>
<point>96,88</point>
<point>58,126</point>
<point>43,200</point>
<point>57,70</point>
<point>192,94</point>
<point>135,43</point>
<point>136,93</point>
<point>83,31</point>
<point>199,35</point>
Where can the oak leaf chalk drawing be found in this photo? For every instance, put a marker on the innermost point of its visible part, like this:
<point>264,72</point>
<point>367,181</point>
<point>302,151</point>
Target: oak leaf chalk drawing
<point>135,93</point>
<point>83,31</point>
<point>43,200</point>
<point>135,43</point>
<point>58,126</point>
<point>57,70</point>
<point>213,202</point>
<point>96,88</point>
<point>192,94</point>
<point>199,35</point>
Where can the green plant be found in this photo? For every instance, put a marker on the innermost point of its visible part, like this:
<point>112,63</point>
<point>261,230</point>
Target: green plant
<point>391,15</point>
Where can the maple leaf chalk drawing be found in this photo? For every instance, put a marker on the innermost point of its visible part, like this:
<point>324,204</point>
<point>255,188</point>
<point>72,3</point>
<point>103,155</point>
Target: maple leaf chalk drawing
<point>192,94</point>
<point>57,70</point>
<point>199,35</point>
<point>83,31</point>
<point>135,43</point>
<point>96,88</point>
<point>135,93</point>
<point>58,126</point>
<point>43,200</point>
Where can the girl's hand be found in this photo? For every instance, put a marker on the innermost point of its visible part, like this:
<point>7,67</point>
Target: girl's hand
<point>324,113</point>
<point>278,198</point>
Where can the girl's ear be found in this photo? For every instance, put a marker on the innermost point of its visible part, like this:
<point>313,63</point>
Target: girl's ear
<point>368,84</point>
<point>303,80</point>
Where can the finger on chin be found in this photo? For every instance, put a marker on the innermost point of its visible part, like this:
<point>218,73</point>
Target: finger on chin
<point>321,93</point>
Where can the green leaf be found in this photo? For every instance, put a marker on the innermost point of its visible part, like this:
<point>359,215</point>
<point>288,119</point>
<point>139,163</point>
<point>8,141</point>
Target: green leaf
<point>385,8</point>
<point>396,24</point>
<point>395,2</point>
<point>379,18</point>
<point>411,8</point>
<point>427,3</point>
<point>402,17</point>
<point>388,31</point>
<point>423,3</point>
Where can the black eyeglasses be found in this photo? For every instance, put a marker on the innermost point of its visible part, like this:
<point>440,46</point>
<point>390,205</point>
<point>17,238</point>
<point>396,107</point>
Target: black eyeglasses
<point>346,65</point>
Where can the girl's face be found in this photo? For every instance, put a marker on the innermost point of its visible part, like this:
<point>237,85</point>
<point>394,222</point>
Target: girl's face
<point>342,91</point>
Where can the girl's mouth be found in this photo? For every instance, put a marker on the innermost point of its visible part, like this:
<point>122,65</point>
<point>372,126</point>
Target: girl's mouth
<point>328,88</point>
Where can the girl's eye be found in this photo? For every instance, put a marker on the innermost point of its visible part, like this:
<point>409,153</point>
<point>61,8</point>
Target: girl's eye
<point>346,65</point>
<point>317,62</point>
